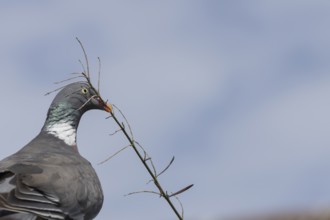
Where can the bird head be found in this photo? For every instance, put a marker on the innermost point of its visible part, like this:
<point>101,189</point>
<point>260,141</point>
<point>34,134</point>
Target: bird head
<point>80,96</point>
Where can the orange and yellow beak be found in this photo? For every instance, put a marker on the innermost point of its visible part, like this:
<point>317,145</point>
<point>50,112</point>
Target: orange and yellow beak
<point>108,107</point>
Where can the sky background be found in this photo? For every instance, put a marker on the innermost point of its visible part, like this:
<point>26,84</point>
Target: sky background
<point>237,91</point>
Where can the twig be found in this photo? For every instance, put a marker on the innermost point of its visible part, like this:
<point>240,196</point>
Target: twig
<point>157,175</point>
<point>132,143</point>
<point>99,76</point>
<point>144,152</point>
<point>166,167</point>
<point>129,126</point>
<point>181,190</point>
<point>55,90</point>
<point>182,209</point>
<point>109,158</point>
<point>144,191</point>
<point>147,158</point>
<point>115,132</point>
<point>71,78</point>
<point>85,55</point>
<point>153,176</point>
<point>88,100</point>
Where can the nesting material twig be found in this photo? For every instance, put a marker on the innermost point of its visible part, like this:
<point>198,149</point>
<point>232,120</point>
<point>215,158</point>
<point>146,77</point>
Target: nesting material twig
<point>152,171</point>
<point>109,158</point>
<point>125,128</point>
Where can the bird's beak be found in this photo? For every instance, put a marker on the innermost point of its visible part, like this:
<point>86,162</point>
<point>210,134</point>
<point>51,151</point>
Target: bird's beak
<point>107,107</point>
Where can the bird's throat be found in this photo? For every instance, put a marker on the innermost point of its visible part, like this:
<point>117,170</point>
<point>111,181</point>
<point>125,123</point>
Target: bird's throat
<point>64,131</point>
<point>62,122</point>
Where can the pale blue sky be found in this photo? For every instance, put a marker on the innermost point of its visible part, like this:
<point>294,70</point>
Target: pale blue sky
<point>237,91</point>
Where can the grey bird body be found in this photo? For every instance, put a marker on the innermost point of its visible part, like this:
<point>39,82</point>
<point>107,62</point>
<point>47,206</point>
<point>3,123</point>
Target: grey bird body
<point>48,178</point>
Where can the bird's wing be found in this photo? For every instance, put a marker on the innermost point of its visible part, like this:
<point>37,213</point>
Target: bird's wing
<point>19,192</point>
<point>7,215</point>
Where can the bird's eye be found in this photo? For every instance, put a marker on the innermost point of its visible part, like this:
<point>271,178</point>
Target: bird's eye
<point>84,90</point>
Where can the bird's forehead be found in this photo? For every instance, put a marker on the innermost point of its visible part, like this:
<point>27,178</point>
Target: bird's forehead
<point>71,90</point>
<point>76,87</point>
<point>79,85</point>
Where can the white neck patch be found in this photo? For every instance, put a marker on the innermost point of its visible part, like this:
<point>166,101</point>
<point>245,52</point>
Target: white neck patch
<point>64,131</point>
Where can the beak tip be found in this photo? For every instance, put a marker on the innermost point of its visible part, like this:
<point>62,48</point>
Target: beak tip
<point>108,107</point>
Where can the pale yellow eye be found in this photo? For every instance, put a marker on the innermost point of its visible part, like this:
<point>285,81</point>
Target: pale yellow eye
<point>84,90</point>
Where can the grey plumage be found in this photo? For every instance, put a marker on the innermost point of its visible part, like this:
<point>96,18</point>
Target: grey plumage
<point>48,178</point>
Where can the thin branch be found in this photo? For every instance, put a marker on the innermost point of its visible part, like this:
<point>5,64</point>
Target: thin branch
<point>150,167</point>
<point>71,78</point>
<point>144,191</point>
<point>155,180</point>
<point>82,66</point>
<point>153,166</point>
<point>55,90</point>
<point>147,157</point>
<point>181,190</point>
<point>99,75</point>
<point>129,126</point>
<point>168,166</point>
<point>109,158</point>
<point>85,55</point>
<point>115,132</point>
<point>182,209</point>
<point>157,175</point>
<point>86,102</point>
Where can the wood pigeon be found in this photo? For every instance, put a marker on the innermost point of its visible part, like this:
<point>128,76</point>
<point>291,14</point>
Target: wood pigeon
<point>48,178</point>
